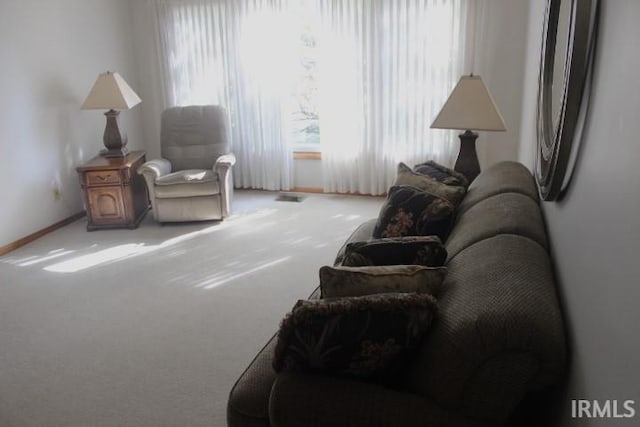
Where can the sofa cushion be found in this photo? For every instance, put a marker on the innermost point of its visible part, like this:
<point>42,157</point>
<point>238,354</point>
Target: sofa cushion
<point>499,330</point>
<point>505,213</point>
<point>441,173</point>
<point>452,193</point>
<point>187,183</point>
<point>366,337</point>
<point>336,282</point>
<point>503,177</point>
<point>409,211</point>
<point>408,250</point>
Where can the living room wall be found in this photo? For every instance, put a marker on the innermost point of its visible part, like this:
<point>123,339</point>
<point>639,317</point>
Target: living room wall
<point>52,53</point>
<point>595,229</point>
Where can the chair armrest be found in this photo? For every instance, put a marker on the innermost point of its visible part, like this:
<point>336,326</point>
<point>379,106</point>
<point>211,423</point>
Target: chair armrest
<point>222,168</point>
<point>301,399</point>
<point>154,169</point>
<point>226,160</point>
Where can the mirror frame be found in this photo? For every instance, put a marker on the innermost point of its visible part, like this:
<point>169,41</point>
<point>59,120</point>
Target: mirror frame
<point>558,137</point>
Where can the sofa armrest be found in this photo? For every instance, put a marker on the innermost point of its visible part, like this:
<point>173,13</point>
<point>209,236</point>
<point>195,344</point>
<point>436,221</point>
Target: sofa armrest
<point>301,399</point>
<point>154,169</point>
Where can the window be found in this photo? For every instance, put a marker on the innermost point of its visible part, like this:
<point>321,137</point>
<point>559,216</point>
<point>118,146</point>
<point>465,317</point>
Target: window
<point>361,79</point>
<point>306,126</point>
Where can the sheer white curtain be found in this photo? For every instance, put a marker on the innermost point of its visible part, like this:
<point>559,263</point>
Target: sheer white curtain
<point>385,69</point>
<point>238,54</point>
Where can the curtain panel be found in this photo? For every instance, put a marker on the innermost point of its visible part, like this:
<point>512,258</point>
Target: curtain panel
<point>387,67</point>
<point>384,69</point>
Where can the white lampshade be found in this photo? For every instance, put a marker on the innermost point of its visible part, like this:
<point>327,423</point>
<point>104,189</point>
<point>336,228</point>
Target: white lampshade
<point>110,92</point>
<point>470,107</point>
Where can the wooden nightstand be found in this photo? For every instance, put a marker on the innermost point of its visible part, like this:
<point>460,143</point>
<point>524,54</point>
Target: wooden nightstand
<point>115,196</point>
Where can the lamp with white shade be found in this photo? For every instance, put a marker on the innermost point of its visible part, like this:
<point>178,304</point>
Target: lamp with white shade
<point>111,92</point>
<point>469,107</point>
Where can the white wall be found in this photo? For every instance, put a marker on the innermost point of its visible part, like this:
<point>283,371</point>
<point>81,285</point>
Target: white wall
<point>595,230</point>
<point>499,58</point>
<point>148,64</point>
<point>52,52</point>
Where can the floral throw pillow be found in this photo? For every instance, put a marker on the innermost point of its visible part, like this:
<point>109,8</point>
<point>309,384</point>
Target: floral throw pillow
<point>339,282</point>
<point>407,250</point>
<point>409,211</point>
<point>441,173</point>
<point>452,193</point>
<point>367,338</point>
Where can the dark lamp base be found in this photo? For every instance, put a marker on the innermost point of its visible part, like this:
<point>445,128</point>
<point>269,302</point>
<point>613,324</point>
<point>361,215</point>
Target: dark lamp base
<point>117,152</point>
<point>114,140</point>
<point>467,163</point>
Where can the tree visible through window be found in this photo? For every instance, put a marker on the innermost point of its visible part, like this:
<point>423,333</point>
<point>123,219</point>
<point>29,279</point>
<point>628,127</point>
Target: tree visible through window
<point>306,127</point>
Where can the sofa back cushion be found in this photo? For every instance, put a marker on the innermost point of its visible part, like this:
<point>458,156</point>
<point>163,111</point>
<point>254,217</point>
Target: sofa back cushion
<point>503,213</point>
<point>503,177</point>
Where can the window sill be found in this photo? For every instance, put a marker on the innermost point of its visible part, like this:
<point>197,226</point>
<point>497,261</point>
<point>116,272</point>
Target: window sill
<point>307,155</point>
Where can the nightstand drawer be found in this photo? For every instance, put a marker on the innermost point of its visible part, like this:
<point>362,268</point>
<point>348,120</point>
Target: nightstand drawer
<point>103,177</point>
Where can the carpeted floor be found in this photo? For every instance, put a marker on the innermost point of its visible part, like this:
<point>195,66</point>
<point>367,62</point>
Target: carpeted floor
<point>151,327</point>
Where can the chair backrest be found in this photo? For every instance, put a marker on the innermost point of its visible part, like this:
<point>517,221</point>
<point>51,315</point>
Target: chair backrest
<point>194,137</point>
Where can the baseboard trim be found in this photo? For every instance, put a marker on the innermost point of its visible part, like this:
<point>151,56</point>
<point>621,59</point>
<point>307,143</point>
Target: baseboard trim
<point>33,236</point>
<point>307,190</point>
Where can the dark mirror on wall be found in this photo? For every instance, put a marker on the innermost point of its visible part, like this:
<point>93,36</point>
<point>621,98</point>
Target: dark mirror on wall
<point>567,52</point>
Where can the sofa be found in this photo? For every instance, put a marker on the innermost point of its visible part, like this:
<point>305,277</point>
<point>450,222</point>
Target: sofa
<point>498,333</point>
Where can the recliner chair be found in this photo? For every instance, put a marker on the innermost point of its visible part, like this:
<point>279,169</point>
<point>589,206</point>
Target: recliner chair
<point>193,179</point>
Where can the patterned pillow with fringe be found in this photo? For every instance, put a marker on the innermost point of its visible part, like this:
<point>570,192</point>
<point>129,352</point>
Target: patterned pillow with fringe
<point>367,338</point>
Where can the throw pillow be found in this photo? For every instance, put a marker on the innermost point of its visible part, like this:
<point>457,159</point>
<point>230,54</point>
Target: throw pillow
<point>367,338</point>
<point>409,211</point>
<point>337,282</point>
<point>416,250</point>
<point>442,173</point>
<point>406,176</point>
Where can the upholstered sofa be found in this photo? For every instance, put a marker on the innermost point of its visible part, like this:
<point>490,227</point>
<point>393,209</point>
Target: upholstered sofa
<point>498,333</point>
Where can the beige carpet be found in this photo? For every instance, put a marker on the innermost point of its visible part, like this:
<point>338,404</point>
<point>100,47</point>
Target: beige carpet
<point>151,327</point>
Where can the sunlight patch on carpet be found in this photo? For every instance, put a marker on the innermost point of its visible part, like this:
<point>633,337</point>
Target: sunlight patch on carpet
<point>210,284</point>
<point>126,251</point>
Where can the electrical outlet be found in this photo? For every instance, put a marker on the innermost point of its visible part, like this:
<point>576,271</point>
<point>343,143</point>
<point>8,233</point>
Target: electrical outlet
<point>57,194</point>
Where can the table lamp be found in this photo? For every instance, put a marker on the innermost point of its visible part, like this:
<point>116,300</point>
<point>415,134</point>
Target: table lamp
<point>110,92</point>
<point>470,106</point>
